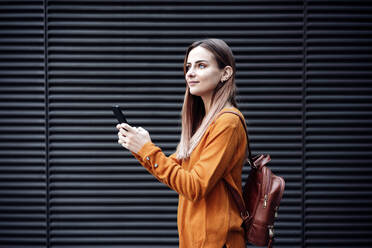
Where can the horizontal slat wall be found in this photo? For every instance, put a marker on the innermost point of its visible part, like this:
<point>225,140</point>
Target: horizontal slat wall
<point>100,195</point>
<point>303,77</point>
<point>269,58</point>
<point>22,125</point>
<point>338,124</point>
<point>131,53</point>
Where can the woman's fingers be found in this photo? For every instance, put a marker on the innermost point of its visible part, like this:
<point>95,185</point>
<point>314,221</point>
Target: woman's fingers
<point>122,125</point>
<point>122,132</point>
<point>122,140</point>
<point>130,137</point>
<point>127,127</point>
<point>121,137</point>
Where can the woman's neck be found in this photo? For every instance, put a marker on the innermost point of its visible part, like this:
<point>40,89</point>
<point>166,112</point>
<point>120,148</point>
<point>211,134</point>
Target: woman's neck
<point>228,105</point>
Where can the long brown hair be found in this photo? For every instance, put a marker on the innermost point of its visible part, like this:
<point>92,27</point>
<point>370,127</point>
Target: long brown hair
<point>194,121</point>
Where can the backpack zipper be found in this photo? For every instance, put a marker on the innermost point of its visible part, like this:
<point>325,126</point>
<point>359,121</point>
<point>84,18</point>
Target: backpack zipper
<point>267,190</point>
<point>271,230</point>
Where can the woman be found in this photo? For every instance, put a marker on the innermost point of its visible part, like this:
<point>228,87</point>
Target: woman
<point>211,148</point>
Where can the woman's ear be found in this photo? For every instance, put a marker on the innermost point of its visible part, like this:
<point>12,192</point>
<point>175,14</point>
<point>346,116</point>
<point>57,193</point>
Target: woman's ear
<point>227,73</point>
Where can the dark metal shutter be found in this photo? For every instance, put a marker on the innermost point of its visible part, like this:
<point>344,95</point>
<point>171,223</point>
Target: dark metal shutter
<point>338,133</point>
<point>303,77</point>
<point>131,53</point>
<point>100,54</point>
<point>268,47</point>
<point>22,123</point>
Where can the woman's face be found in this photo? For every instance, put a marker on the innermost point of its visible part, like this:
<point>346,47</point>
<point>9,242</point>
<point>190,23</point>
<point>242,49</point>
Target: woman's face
<point>202,68</point>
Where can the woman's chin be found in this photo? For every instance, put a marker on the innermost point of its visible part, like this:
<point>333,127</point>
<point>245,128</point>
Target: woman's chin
<point>194,92</point>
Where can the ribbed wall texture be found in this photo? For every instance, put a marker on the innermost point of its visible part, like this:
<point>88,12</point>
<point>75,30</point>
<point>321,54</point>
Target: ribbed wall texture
<point>23,144</point>
<point>338,118</point>
<point>304,85</point>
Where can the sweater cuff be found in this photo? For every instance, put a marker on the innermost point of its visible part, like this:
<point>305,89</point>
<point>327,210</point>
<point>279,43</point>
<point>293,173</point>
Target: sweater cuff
<point>146,150</point>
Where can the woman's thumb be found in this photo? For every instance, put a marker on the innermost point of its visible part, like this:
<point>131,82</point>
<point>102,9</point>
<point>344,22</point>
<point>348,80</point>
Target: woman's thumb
<point>141,129</point>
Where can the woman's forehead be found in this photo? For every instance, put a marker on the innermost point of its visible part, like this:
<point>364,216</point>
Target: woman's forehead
<point>199,53</point>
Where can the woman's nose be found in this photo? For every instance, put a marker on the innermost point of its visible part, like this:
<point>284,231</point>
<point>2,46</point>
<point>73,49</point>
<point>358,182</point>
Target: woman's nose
<point>190,73</point>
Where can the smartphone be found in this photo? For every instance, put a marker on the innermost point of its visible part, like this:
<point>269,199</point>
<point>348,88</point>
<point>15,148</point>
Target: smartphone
<point>119,114</point>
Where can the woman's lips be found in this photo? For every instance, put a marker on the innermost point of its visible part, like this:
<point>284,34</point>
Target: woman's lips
<point>193,82</point>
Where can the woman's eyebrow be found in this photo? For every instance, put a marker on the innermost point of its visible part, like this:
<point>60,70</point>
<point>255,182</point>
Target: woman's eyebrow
<point>198,61</point>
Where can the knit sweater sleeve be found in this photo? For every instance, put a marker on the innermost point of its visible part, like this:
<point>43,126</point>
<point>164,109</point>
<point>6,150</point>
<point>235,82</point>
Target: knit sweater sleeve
<point>216,155</point>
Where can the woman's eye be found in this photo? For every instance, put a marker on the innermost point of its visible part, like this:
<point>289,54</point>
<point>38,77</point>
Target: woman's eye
<point>200,66</point>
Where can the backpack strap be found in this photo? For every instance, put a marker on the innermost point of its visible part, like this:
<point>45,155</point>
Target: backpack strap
<point>248,153</point>
<point>234,193</point>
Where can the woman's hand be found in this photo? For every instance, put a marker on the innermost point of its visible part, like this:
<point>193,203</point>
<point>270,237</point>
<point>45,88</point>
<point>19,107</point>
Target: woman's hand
<point>132,138</point>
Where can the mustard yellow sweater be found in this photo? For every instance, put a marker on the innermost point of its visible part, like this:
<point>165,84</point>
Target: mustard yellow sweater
<point>207,215</point>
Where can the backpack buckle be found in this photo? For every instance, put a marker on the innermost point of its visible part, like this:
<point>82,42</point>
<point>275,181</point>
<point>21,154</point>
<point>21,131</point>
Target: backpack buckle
<point>250,164</point>
<point>244,215</point>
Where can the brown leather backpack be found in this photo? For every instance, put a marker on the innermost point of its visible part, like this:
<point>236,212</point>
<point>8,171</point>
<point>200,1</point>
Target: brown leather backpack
<point>262,193</point>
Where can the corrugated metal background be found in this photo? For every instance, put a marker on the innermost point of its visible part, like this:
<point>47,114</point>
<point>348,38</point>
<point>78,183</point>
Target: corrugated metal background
<point>23,139</point>
<point>304,86</point>
<point>337,119</point>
